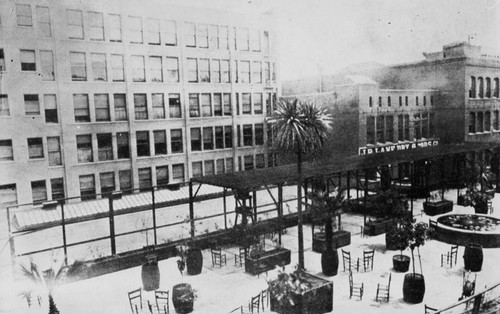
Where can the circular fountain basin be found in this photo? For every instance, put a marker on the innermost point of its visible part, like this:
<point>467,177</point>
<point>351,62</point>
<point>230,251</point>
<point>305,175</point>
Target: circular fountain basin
<point>462,229</point>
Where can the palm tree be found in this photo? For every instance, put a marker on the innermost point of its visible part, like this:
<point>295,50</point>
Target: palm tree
<point>301,128</point>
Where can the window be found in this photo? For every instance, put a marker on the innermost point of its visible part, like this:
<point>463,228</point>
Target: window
<point>117,68</point>
<point>114,28</point>
<point>370,130</point>
<point>400,127</point>
<point>172,64</point>
<point>488,87</point>
<point>6,152</point>
<point>406,100</point>
<point>195,139</point>
<point>244,71</point>
<point>259,134</point>
<point>481,87</point>
<point>380,101</point>
<point>75,24</point>
<point>248,162</point>
<point>174,106</point>
<point>380,129</point>
<point>125,178</point>
<point>495,89</point>
<point>31,105</point>
<point>389,129</point>
<point>176,141</point>
<point>135,29</point>
<point>370,101</point>
<point>192,68</point>
<point>400,101</point>
<point>107,182</point>
<point>28,61</point>
<point>228,136</point>
<point>255,40</point>
<point>138,69</point>
<point>24,15</point>
<point>178,172</point>
<point>2,61</point>
<point>156,69</point>
<point>487,121</point>
<point>123,148</point>
<point>145,182</point>
<point>480,122</point>
<point>215,78</point>
<point>142,142</point>
<point>213,33</point>
<point>229,165</point>
<point>218,105</point>
<point>161,176</point>
<point>432,125</point>
<point>204,70</point>
<point>223,37</point>
<point>267,72</point>
<point>209,167</point>
<point>78,66</point>
<point>54,149</point>
<point>153,31</point>
<point>84,148</point>
<point>194,105</point>
<point>96,23</point>
<point>224,65</point>
<point>206,105</point>
<point>202,36</point>
<point>259,161</point>
<point>169,33</point>
<point>472,89</point>
<point>47,65</point>
<point>388,101</point>
<point>219,137</point>
<point>219,166</point>
<point>160,138</point>
<point>158,106</point>
<point>39,191</point>
<point>416,100</point>
<point>227,104</point>
<point>496,125</point>
<point>57,187</point>
<point>247,135</point>
<point>140,107</point>
<point>242,39</point>
<point>246,100</point>
<point>257,103</point>
<point>190,33</point>
<point>197,169</point>
<point>104,147</point>
<point>87,187</point>
<point>81,107</point>
<point>267,43</point>
<point>101,103</point>
<point>208,138</point>
<point>417,126</point>
<point>120,107</point>
<point>269,105</point>
<point>407,127</point>
<point>99,67</point>
<point>256,72</point>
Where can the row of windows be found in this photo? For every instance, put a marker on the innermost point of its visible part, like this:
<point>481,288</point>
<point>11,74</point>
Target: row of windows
<point>380,129</point>
<point>388,101</point>
<point>139,30</point>
<point>481,87</point>
<point>36,150</point>
<point>480,122</point>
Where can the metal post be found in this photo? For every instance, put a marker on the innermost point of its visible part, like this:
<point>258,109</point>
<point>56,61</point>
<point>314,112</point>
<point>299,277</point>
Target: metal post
<point>254,202</point>
<point>412,184</point>
<point>191,208</point>
<point>224,193</point>
<point>154,214</point>
<point>112,225</point>
<point>63,225</point>
<point>366,194</point>
<point>280,211</point>
<point>348,184</point>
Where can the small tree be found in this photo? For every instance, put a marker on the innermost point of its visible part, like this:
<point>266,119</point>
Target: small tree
<point>417,235</point>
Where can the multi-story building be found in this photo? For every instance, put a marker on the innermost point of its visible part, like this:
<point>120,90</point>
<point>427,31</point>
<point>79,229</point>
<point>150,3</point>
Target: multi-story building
<point>97,96</point>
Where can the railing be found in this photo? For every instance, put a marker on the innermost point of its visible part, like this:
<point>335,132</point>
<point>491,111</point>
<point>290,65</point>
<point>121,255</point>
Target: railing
<point>486,301</point>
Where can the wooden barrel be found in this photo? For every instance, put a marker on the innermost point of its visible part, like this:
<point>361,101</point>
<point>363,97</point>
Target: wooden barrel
<point>150,274</point>
<point>194,261</point>
<point>183,298</point>
<point>473,257</point>
<point>413,288</point>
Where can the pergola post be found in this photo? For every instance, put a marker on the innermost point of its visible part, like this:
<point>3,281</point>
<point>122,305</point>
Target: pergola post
<point>111,224</point>
<point>153,209</point>
<point>191,208</point>
<point>280,210</point>
<point>224,206</point>
<point>63,226</point>
<point>365,196</point>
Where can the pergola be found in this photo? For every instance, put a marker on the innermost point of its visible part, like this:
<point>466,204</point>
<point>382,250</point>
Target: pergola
<point>244,182</point>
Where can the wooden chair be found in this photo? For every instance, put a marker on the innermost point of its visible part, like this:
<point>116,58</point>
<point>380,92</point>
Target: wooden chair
<point>429,310</point>
<point>383,291</point>
<point>239,259</point>
<point>348,263</point>
<point>264,294</point>
<point>432,227</point>
<point>135,300</point>
<point>447,258</point>
<point>468,286</point>
<point>368,259</point>
<point>355,289</point>
<point>255,303</point>
<point>218,258</point>
<point>161,298</point>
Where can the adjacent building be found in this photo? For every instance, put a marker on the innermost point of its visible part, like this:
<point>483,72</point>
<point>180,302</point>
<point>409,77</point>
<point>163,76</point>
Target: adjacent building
<point>97,96</point>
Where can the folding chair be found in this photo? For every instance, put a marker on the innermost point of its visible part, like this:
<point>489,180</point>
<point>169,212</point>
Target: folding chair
<point>355,289</point>
<point>264,298</point>
<point>348,263</point>
<point>217,257</point>
<point>135,300</point>
<point>447,258</point>
<point>239,259</point>
<point>368,259</point>
<point>161,298</point>
<point>255,303</point>
<point>383,291</point>
<point>429,310</point>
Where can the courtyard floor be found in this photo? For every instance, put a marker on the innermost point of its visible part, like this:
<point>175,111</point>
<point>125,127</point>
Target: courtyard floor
<point>220,290</point>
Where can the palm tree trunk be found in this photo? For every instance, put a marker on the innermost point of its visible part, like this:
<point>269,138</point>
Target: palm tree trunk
<point>52,305</point>
<point>299,208</point>
<point>329,233</point>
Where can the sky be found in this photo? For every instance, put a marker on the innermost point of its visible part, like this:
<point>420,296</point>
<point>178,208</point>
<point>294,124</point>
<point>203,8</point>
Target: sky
<point>323,36</point>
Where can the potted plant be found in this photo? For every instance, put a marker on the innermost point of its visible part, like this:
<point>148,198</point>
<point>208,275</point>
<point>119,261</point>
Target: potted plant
<point>324,208</point>
<point>397,238</point>
<point>479,187</point>
<point>193,255</point>
<point>150,272</point>
<point>387,205</point>
<point>299,292</point>
<point>183,295</point>
<point>414,283</point>
<point>436,204</point>
<point>477,199</point>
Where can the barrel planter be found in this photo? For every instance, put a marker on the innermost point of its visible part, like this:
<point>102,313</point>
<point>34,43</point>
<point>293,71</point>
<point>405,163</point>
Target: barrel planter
<point>150,274</point>
<point>473,257</point>
<point>400,263</point>
<point>390,243</point>
<point>481,208</point>
<point>183,298</point>
<point>330,262</point>
<point>194,261</point>
<point>413,288</point>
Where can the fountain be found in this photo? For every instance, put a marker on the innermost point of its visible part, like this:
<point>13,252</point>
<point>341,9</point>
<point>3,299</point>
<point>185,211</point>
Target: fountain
<point>463,229</point>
